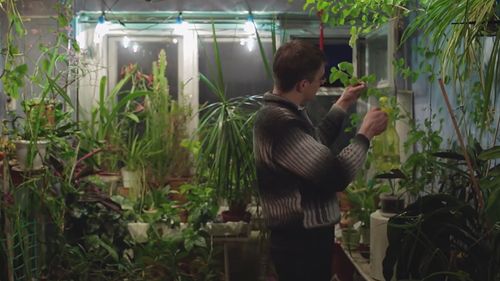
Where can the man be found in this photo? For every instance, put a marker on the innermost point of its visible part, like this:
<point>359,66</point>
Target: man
<point>298,176</point>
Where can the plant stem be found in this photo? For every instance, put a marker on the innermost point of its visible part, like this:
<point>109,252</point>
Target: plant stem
<point>8,230</point>
<point>475,184</point>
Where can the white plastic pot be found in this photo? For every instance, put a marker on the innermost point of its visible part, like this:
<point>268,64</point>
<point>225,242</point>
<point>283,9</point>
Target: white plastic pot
<point>132,181</point>
<point>22,148</point>
<point>138,231</point>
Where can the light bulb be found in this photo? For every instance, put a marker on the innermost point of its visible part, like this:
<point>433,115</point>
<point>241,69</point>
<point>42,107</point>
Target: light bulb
<point>249,25</point>
<point>101,29</point>
<point>125,42</point>
<point>81,38</point>
<point>181,26</point>
<point>250,43</point>
<point>135,47</point>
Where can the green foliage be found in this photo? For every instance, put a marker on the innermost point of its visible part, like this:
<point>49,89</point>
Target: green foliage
<point>166,127</point>
<point>345,73</point>
<point>363,16</point>
<point>361,196</point>
<point>440,237</point>
<point>104,130</point>
<point>14,71</point>
<point>421,169</point>
<point>201,203</point>
<point>136,151</point>
<point>225,133</point>
<point>405,71</point>
<point>466,23</point>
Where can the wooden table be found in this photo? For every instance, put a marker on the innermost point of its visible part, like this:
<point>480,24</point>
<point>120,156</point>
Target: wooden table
<point>225,240</point>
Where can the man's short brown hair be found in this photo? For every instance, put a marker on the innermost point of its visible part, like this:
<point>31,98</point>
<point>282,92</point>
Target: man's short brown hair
<point>295,61</point>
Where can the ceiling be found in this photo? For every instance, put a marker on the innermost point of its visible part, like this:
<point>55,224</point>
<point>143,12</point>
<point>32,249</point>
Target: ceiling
<point>191,5</point>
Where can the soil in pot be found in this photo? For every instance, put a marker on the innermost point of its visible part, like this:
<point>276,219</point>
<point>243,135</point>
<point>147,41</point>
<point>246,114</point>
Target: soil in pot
<point>392,204</point>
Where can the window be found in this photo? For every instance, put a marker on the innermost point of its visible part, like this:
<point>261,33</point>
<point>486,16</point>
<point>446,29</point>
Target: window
<point>336,50</point>
<point>143,51</point>
<point>242,66</point>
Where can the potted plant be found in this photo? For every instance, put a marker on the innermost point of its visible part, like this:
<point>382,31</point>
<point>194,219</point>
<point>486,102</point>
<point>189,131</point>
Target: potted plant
<point>105,128</point>
<point>31,147</point>
<point>226,154</point>
<point>158,124</point>
<point>392,202</point>
<point>362,197</point>
<point>135,152</point>
<point>180,147</point>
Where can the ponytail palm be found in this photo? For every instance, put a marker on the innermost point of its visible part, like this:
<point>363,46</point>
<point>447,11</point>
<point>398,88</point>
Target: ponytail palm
<point>225,132</point>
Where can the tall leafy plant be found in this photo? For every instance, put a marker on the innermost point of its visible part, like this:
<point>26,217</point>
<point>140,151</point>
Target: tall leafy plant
<point>226,140</point>
<point>158,126</point>
<point>103,129</point>
<point>458,32</point>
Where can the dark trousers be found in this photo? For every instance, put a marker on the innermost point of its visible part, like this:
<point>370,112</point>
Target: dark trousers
<point>302,254</point>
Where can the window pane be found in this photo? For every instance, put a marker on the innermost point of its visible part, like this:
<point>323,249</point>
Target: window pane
<point>144,52</point>
<point>376,53</point>
<point>243,68</point>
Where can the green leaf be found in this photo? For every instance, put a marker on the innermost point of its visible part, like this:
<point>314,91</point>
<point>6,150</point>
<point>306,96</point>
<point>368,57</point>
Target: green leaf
<point>490,154</point>
<point>492,208</point>
<point>21,69</point>
<point>347,67</point>
<point>132,117</point>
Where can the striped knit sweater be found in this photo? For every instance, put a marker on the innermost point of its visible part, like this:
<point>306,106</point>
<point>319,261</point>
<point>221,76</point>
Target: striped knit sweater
<point>298,176</point>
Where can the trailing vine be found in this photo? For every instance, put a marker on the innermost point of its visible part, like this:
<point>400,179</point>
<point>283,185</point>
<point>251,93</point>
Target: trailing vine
<point>363,16</point>
<point>14,72</point>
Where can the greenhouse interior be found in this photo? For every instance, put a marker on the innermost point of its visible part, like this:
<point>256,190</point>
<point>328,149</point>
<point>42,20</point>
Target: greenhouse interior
<point>245,140</point>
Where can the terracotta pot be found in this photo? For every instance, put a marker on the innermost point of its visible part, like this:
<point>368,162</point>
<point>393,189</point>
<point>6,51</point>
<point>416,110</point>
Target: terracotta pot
<point>175,182</point>
<point>235,216</point>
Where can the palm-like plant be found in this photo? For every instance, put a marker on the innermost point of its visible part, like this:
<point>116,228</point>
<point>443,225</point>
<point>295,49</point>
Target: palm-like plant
<point>225,131</point>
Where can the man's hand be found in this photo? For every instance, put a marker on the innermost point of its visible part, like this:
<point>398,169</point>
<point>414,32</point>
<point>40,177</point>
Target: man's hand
<point>350,96</point>
<point>374,123</point>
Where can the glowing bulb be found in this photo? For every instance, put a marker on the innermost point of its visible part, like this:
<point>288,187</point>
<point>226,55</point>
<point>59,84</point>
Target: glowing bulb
<point>249,25</point>
<point>81,38</point>
<point>135,47</point>
<point>125,42</point>
<point>181,26</point>
<point>250,43</point>
<point>101,29</point>
<point>175,40</point>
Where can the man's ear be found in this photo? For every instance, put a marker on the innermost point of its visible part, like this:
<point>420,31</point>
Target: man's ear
<point>301,85</point>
